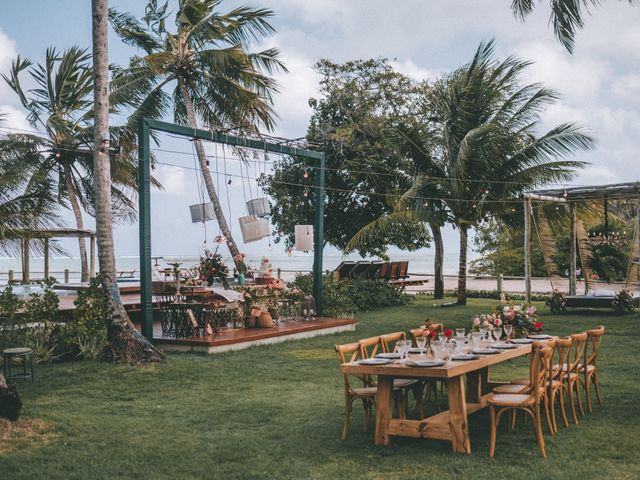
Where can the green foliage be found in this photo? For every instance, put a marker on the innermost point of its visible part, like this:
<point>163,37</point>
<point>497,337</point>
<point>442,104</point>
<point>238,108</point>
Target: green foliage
<point>346,297</point>
<point>13,331</point>
<point>85,334</point>
<point>557,302</point>
<point>353,123</point>
<point>623,302</point>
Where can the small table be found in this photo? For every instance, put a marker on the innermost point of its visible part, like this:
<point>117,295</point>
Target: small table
<point>26,354</point>
<point>450,425</point>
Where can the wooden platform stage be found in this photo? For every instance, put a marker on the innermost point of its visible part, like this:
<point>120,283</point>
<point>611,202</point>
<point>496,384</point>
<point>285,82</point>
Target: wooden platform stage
<point>241,338</point>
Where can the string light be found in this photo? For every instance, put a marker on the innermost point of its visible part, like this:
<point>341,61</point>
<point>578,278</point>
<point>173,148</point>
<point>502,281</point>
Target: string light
<point>305,193</point>
<point>305,174</point>
<point>565,194</point>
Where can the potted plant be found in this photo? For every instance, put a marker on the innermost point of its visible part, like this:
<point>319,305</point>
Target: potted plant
<point>212,267</point>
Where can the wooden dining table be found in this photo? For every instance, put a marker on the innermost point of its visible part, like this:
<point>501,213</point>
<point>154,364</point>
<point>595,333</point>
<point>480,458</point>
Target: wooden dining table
<point>464,398</point>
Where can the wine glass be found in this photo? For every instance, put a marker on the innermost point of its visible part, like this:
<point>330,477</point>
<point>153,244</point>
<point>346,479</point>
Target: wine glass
<point>442,338</point>
<point>401,347</point>
<point>475,339</point>
<point>508,330</point>
<point>460,335</point>
<point>451,350</point>
<point>483,332</point>
<point>438,348</point>
<point>421,341</point>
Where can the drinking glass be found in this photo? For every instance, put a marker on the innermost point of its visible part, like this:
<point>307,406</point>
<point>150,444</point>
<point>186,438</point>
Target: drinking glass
<point>401,347</point>
<point>451,350</point>
<point>508,330</point>
<point>438,349</point>
<point>421,341</point>
<point>483,332</point>
<point>460,335</point>
<point>441,337</point>
<point>475,339</point>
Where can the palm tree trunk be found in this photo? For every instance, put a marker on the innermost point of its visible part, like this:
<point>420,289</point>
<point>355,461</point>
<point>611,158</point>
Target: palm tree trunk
<point>438,275</point>
<point>75,206</point>
<point>125,342</point>
<point>462,265</point>
<point>206,174</point>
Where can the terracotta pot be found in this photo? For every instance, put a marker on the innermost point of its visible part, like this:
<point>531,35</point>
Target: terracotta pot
<point>250,321</point>
<point>265,320</point>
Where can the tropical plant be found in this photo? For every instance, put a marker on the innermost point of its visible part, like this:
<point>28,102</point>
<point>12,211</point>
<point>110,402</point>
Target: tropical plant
<point>557,302</point>
<point>623,302</point>
<point>489,150</point>
<point>214,80</point>
<point>125,342</point>
<point>60,104</point>
<point>567,16</point>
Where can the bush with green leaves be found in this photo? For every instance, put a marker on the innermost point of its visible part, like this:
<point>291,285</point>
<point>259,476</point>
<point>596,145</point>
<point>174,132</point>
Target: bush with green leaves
<point>623,302</point>
<point>345,297</point>
<point>13,327</point>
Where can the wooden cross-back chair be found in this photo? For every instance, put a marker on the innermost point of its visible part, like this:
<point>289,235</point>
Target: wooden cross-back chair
<point>529,402</point>
<point>416,332</point>
<point>351,352</point>
<point>557,387</point>
<point>572,376</point>
<point>389,340</point>
<point>588,367</point>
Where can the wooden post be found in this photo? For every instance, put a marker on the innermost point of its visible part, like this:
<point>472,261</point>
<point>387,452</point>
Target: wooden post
<point>279,273</point>
<point>527,249</point>
<point>46,258</point>
<point>11,274</point>
<point>25,260</point>
<point>500,283</point>
<point>458,415</point>
<point>384,407</point>
<point>92,258</point>
<point>66,275</point>
<point>573,278</point>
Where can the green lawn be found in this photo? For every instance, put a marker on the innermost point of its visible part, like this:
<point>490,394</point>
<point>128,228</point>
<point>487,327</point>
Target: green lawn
<point>276,412</point>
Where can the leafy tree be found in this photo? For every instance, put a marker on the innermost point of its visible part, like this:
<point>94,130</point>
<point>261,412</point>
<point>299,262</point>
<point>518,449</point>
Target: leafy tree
<point>60,104</point>
<point>203,73</point>
<point>366,170</point>
<point>567,16</point>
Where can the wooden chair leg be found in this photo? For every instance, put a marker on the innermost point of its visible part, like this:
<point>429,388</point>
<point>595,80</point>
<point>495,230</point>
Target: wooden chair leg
<point>561,393</point>
<point>538,428</point>
<point>512,420</point>
<point>587,387</point>
<point>594,378</point>
<point>546,412</point>
<point>577,382</point>
<point>552,407</point>
<point>347,412</point>
<point>492,444</point>
<point>573,405</point>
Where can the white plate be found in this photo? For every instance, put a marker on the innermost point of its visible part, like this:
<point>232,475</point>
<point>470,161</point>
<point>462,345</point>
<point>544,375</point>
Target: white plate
<point>390,355</point>
<point>374,361</point>
<point>425,363</point>
<point>521,341</point>
<point>540,337</point>
<point>485,351</point>
<point>504,346</point>
<point>463,356</point>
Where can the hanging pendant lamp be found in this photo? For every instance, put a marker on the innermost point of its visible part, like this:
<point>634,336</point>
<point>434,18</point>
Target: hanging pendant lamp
<point>304,237</point>
<point>202,212</point>
<point>253,228</point>
<point>259,207</point>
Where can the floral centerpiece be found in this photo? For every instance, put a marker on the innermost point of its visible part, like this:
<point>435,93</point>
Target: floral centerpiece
<point>489,321</point>
<point>524,319</point>
<point>212,267</point>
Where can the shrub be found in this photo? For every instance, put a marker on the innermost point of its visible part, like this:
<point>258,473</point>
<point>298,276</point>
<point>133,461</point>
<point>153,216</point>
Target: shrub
<point>13,327</point>
<point>623,302</point>
<point>346,297</point>
<point>557,302</point>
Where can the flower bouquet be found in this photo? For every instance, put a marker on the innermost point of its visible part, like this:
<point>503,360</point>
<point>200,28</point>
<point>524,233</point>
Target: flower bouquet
<point>212,267</point>
<point>524,319</point>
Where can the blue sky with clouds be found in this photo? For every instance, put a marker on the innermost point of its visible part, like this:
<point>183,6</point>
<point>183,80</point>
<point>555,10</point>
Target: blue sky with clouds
<point>599,84</point>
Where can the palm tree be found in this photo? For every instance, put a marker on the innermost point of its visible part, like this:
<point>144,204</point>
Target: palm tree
<point>60,104</point>
<point>567,16</point>
<point>125,342</point>
<point>202,73</point>
<point>490,151</point>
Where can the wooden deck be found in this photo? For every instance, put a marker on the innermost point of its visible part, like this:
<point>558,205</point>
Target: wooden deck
<point>241,338</point>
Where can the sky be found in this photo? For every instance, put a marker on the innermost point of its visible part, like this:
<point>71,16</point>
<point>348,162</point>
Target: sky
<point>599,84</point>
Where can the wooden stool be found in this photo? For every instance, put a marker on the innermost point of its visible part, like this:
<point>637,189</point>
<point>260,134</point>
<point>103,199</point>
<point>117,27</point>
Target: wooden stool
<point>26,354</point>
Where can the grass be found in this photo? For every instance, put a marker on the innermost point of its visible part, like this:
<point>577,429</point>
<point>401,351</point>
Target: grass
<point>276,412</point>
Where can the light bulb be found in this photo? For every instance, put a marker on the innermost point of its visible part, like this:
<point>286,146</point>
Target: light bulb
<point>305,174</point>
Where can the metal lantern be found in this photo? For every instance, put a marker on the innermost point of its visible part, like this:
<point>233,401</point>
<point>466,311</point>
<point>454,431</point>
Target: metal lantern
<point>304,237</point>
<point>259,207</point>
<point>202,212</point>
<point>253,228</point>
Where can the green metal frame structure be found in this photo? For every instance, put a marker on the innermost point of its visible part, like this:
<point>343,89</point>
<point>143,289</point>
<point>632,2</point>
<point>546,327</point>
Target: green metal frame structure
<point>145,127</point>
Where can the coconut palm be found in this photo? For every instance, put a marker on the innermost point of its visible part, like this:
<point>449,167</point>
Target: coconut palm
<point>567,16</point>
<point>60,105</point>
<point>202,73</point>
<point>490,152</point>
<point>125,342</point>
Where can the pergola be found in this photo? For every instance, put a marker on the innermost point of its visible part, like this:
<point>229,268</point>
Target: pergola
<point>570,197</point>
<point>25,236</point>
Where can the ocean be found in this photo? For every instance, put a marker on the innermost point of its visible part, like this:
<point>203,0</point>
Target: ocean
<point>289,265</point>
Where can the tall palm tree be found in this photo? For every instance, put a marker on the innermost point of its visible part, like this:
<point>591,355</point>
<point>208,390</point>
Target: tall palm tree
<point>60,104</point>
<point>491,153</point>
<point>567,16</point>
<point>203,73</point>
<point>125,342</point>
